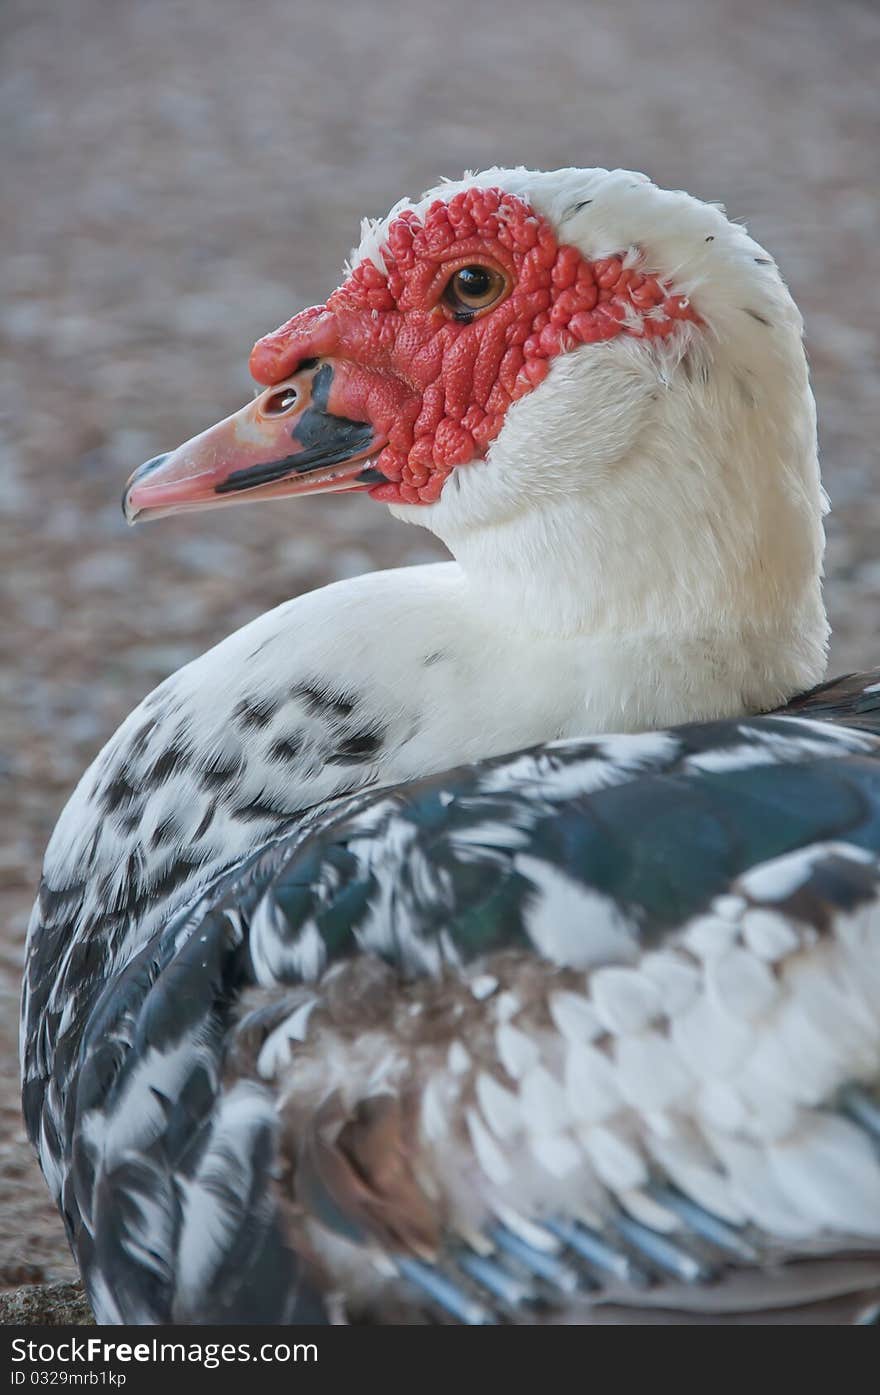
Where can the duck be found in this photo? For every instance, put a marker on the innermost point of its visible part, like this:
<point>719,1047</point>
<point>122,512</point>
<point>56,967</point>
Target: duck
<point>495,940</point>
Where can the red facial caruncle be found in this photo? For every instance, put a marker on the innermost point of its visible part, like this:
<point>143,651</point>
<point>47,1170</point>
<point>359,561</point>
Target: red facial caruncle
<point>410,368</point>
<point>435,376</point>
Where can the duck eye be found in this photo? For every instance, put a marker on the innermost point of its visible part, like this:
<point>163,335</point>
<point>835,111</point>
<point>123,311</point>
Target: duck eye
<point>472,289</point>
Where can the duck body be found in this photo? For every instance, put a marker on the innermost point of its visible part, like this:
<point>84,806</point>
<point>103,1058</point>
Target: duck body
<point>490,859</point>
<point>319,1043</point>
<point>316,699</point>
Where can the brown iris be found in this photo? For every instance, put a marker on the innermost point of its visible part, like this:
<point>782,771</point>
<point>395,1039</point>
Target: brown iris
<point>473,289</point>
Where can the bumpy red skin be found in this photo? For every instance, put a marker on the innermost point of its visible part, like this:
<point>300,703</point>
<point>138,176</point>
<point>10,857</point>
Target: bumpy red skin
<point>435,389</point>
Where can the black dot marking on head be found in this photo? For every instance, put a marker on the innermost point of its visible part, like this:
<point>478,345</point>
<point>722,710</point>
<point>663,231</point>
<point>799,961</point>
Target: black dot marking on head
<point>711,237</point>
<point>764,261</point>
<point>436,657</point>
<point>264,644</point>
<point>576,208</point>
<point>755,316</point>
<point>744,391</point>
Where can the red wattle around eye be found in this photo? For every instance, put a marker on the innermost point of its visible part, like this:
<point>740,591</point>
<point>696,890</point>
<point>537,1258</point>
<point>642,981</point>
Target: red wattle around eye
<point>439,387</point>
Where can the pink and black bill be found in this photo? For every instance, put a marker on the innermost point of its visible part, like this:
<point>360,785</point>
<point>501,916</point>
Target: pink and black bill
<point>289,440</point>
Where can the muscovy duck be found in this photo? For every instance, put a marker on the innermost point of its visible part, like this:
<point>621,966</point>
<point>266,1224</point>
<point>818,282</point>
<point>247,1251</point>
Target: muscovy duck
<point>460,942</point>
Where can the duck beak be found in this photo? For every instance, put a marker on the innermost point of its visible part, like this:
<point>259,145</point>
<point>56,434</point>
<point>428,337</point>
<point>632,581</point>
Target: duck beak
<point>289,440</point>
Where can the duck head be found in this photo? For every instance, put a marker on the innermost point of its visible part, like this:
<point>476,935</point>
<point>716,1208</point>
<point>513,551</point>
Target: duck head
<point>593,390</point>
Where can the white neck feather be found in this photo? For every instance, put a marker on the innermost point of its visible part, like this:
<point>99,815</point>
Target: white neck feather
<point>663,496</point>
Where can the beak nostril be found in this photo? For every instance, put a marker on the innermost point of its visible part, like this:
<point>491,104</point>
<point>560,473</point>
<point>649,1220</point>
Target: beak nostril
<point>280,402</point>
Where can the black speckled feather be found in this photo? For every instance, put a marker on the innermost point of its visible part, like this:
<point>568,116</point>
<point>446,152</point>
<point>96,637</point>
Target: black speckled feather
<point>153,1139</point>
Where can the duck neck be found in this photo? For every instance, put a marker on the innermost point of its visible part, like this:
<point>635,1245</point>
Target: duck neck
<point>669,559</point>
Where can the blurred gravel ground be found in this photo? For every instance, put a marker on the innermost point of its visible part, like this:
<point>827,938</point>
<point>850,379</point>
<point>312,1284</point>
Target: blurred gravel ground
<point>179,178</point>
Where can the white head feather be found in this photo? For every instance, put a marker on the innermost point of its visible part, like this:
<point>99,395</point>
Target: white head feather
<point>665,488</point>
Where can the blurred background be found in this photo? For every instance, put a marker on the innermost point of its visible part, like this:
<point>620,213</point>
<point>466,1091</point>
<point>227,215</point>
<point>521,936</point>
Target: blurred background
<point>180,177</point>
